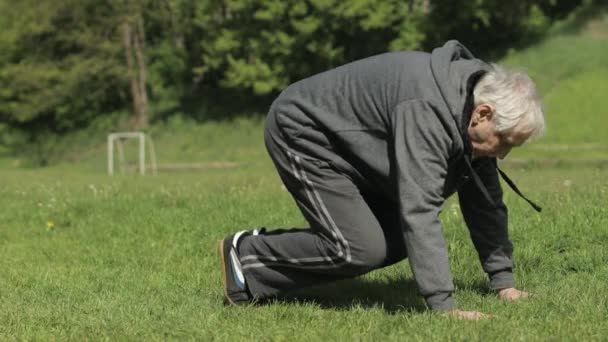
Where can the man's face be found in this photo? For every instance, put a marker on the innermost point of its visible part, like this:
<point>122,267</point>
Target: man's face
<point>484,138</point>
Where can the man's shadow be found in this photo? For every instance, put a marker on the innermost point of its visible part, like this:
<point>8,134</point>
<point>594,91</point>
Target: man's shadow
<point>392,295</point>
<point>395,295</point>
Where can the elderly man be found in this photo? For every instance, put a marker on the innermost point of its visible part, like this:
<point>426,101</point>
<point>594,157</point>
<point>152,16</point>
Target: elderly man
<point>370,151</point>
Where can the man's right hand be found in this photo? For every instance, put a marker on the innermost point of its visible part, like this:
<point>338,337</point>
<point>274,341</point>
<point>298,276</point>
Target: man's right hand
<point>469,315</point>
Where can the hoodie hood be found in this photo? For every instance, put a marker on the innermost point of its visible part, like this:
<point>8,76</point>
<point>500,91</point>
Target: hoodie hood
<point>456,71</point>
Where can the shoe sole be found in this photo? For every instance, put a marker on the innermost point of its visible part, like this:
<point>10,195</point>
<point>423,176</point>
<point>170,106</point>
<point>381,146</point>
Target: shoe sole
<point>220,249</point>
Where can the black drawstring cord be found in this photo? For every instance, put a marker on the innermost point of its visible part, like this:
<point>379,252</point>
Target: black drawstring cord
<point>484,191</point>
<point>478,181</point>
<point>514,187</point>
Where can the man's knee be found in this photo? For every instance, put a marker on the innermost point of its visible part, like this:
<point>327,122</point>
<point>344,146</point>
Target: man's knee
<point>362,261</point>
<point>371,258</point>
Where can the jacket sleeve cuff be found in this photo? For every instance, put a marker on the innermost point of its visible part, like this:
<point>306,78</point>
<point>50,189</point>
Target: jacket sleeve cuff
<point>502,280</point>
<point>442,301</point>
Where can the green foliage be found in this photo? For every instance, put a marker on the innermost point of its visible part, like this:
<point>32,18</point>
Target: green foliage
<point>486,26</point>
<point>63,63</point>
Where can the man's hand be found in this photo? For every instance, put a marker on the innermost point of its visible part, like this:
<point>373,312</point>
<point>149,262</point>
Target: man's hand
<point>470,315</point>
<point>511,294</point>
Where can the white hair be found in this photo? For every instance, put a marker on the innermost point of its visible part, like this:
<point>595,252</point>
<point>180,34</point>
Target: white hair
<point>515,100</point>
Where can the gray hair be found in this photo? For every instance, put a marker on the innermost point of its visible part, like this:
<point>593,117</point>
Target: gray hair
<point>515,99</point>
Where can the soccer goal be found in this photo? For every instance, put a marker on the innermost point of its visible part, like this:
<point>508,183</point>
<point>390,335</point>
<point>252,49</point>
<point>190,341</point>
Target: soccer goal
<point>115,141</point>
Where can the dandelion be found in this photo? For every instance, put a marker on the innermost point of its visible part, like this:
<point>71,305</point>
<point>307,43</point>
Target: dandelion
<point>50,225</point>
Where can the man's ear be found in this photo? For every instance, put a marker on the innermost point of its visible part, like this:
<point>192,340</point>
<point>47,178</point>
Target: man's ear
<point>484,111</point>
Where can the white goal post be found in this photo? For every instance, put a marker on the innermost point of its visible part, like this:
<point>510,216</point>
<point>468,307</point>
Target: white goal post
<point>143,139</point>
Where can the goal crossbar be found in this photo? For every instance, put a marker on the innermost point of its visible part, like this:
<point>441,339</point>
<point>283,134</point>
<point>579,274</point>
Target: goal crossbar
<point>142,139</point>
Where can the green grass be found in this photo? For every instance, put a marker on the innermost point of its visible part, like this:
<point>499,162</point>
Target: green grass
<point>133,258</point>
<point>87,256</point>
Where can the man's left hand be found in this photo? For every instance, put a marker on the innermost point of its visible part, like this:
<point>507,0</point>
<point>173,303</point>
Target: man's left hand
<point>511,294</point>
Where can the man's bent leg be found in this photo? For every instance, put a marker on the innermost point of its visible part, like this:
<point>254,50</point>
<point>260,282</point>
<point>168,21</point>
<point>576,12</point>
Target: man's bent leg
<point>387,214</point>
<point>345,238</point>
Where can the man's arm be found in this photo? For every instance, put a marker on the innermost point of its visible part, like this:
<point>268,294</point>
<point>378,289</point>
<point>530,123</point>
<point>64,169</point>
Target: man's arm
<point>421,148</point>
<point>488,225</point>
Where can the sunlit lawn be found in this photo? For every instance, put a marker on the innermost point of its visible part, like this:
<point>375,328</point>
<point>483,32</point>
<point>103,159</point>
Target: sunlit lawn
<point>88,256</point>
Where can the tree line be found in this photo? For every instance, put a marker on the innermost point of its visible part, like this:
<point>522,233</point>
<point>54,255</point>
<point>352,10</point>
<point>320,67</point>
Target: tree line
<point>67,64</point>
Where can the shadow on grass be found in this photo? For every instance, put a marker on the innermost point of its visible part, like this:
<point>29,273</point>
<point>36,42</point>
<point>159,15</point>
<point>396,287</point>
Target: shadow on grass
<point>478,287</point>
<point>392,295</point>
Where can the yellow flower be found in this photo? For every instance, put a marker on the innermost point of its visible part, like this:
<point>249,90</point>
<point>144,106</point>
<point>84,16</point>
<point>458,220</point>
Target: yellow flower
<point>50,225</point>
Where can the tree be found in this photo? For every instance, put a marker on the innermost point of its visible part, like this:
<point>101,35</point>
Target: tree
<point>62,62</point>
<point>262,46</point>
<point>134,44</point>
<point>65,64</point>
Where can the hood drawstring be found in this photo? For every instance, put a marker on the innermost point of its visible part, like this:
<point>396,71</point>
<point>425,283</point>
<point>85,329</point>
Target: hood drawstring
<point>484,190</point>
<point>514,187</point>
<point>477,180</point>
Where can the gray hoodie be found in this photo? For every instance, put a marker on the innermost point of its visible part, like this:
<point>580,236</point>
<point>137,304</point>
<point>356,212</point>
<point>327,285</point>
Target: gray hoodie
<point>395,123</point>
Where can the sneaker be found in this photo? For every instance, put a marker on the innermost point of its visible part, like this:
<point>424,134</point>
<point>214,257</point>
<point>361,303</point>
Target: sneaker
<point>235,287</point>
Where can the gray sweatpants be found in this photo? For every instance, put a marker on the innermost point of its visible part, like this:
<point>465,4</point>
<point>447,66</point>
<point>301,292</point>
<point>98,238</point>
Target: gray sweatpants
<point>351,232</point>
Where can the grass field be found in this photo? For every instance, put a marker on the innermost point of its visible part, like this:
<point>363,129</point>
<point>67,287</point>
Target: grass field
<point>87,256</point>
